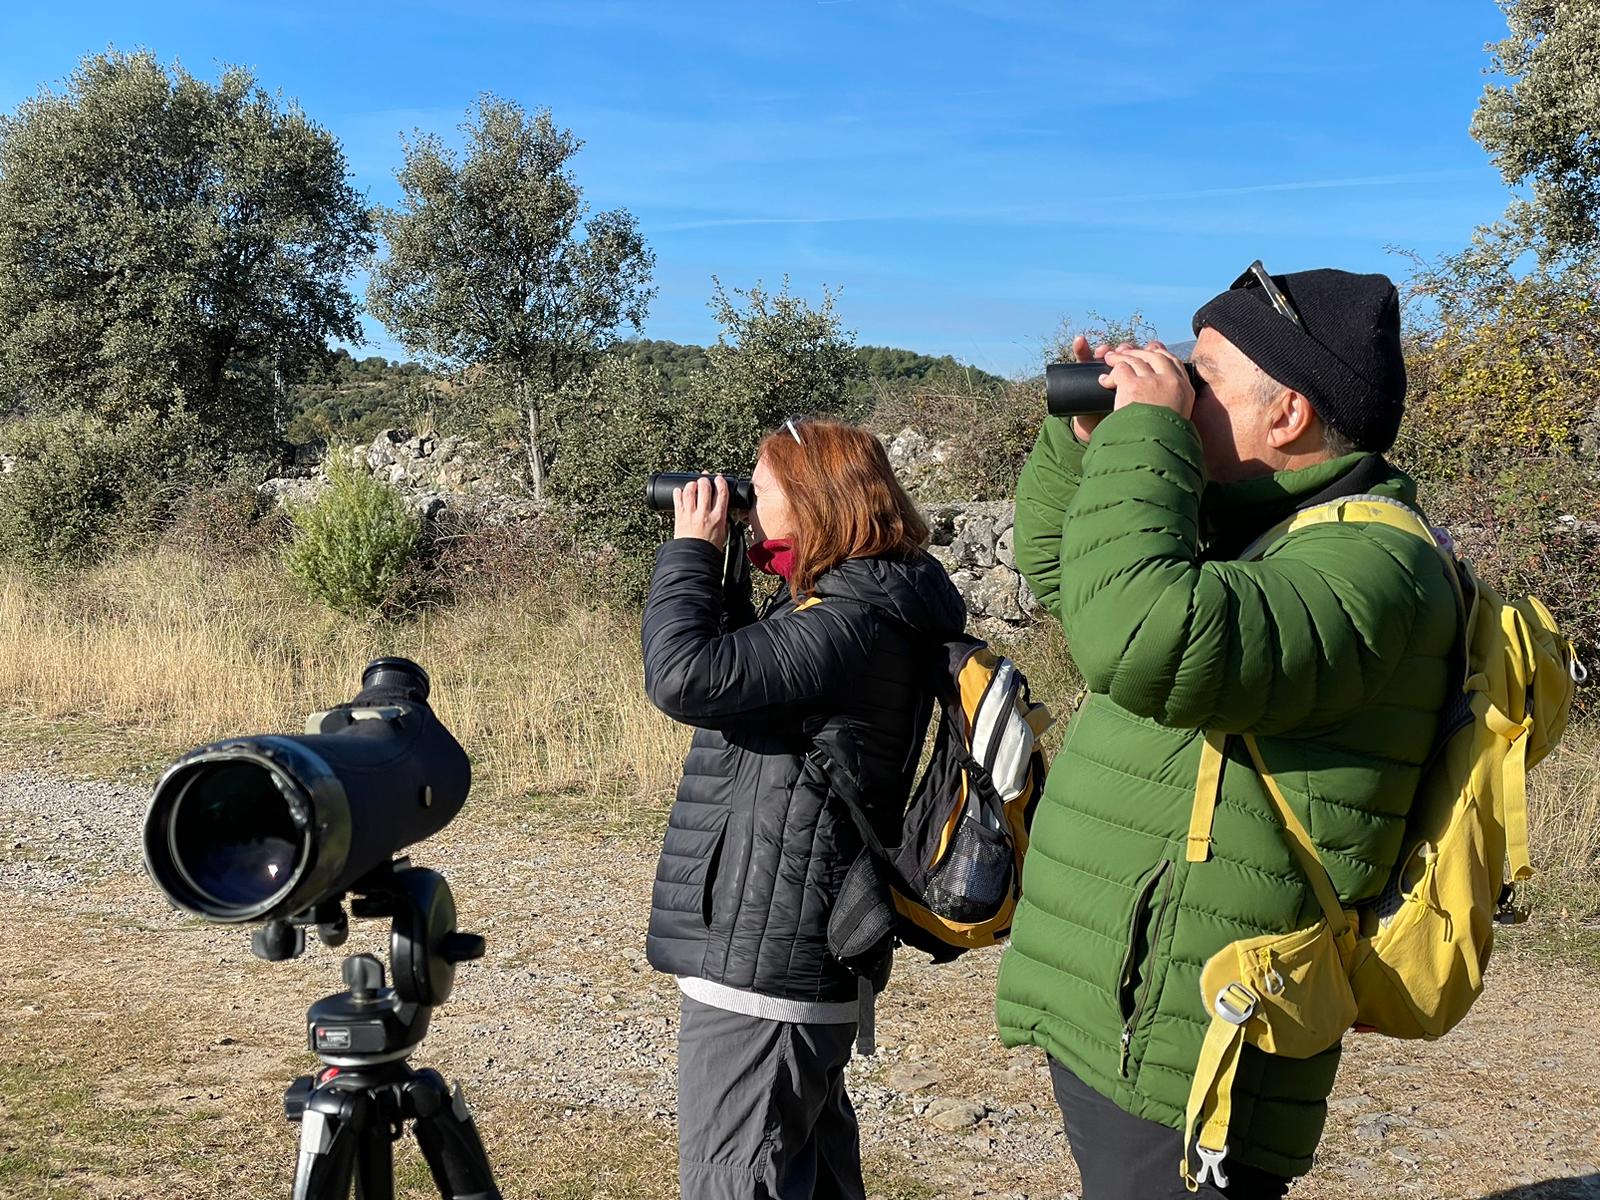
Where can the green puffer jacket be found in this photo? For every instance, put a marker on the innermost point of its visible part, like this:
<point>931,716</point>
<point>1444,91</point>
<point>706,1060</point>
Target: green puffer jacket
<point>1334,649</point>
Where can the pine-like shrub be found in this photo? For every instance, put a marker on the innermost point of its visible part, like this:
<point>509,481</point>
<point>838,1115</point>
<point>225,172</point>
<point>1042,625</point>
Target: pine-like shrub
<point>353,545</point>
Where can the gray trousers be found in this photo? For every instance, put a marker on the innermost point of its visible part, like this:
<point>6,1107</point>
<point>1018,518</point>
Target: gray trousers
<point>762,1110</point>
<point>1124,1157</point>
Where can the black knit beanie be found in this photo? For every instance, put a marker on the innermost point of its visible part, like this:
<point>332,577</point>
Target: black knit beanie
<point>1346,360</point>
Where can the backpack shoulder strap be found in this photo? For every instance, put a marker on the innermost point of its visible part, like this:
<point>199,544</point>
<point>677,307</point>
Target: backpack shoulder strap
<point>1300,842</point>
<point>1365,507</point>
<point>1369,508</point>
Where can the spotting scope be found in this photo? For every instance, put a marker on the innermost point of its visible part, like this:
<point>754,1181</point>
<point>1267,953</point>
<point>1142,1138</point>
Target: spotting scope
<point>268,827</point>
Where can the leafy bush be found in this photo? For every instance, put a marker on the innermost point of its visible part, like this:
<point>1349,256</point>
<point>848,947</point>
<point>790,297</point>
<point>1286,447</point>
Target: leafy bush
<point>354,545</point>
<point>1502,429</point>
<point>80,486</point>
<point>227,522</point>
<point>637,425</point>
<point>776,357</point>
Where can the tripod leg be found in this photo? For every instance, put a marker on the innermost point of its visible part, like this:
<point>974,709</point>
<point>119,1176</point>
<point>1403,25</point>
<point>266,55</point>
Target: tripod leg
<point>449,1139</point>
<point>375,1163</point>
<point>329,1131</point>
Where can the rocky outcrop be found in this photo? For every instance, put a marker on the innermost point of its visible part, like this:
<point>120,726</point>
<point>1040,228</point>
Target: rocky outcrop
<point>438,474</point>
<point>973,539</point>
<point>433,474</point>
<point>915,457</point>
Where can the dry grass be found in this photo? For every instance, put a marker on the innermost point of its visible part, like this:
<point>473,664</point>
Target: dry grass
<point>544,688</point>
<point>542,684</point>
<point>1564,827</point>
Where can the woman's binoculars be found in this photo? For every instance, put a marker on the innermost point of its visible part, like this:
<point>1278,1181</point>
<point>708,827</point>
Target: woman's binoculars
<point>659,487</point>
<point>1072,389</point>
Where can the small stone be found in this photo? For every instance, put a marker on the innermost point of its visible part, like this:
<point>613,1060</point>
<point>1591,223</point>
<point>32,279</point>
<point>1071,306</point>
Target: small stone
<point>953,1116</point>
<point>911,1078</point>
<point>1377,1126</point>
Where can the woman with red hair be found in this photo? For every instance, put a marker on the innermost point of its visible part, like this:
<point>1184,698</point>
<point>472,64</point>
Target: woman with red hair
<point>754,852</point>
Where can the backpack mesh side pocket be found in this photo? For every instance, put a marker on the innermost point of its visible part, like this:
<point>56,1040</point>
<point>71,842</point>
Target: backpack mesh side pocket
<point>974,878</point>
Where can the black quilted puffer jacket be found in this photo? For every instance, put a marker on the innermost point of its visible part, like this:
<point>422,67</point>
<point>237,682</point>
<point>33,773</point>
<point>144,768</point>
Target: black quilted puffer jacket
<point>755,851</point>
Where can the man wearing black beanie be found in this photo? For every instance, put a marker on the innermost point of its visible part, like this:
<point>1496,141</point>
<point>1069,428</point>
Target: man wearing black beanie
<point>1202,625</point>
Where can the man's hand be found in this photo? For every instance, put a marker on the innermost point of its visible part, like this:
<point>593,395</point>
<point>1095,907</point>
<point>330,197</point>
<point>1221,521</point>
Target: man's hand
<point>1083,427</point>
<point>1152,375</point>
<point>701,511</point>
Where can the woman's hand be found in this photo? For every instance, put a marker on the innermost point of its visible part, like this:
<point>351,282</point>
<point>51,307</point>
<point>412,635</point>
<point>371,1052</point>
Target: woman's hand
<point>701,511</point>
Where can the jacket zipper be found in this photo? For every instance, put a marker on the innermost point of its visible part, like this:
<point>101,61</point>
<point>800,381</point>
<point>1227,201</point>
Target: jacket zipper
<point>1141,907</point>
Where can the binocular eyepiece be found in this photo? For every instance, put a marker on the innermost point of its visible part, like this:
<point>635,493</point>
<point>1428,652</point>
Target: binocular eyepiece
<point>659,487</point>
<point>1072,389</point>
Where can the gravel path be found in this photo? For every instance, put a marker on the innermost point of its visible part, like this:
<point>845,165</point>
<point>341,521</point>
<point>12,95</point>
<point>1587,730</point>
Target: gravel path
<point>565,1022</point>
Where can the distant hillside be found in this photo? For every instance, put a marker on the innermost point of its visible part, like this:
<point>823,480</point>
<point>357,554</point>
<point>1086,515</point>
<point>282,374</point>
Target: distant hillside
<point>351,399</point>
<point>883,364</point>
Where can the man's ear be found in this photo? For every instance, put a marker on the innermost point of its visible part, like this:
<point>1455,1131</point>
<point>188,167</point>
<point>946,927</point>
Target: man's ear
<point>1293,418</point>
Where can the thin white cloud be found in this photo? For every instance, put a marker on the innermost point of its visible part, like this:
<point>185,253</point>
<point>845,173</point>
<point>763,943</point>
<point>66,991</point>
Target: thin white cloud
<point>1303,185</point>
<point>1034,215</point>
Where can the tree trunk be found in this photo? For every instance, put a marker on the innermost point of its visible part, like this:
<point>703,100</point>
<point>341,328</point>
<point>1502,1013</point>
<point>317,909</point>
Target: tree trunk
<point>535,457</point>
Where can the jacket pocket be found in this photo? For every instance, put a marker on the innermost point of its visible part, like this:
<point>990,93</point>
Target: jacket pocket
<point>1134,981</point>
<point>709,884</point>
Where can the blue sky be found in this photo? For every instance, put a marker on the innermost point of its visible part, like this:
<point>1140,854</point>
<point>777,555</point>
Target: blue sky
<point>967,173</point>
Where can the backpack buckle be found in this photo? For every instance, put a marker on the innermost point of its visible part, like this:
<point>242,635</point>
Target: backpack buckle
<point>1235,1004</point>
<point>1211,1165</point>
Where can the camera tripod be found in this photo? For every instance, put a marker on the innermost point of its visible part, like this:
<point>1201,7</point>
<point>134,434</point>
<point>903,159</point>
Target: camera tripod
<point>353,1110</point>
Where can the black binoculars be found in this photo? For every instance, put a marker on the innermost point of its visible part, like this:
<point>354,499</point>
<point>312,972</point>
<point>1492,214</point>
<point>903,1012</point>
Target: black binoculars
<point>659,487</point>
<point>1072,389</point>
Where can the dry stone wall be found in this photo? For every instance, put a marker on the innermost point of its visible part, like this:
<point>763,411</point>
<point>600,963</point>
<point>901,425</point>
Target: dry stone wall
<point>974,540</point>
<point>435,474</point>
<point>432,473</point>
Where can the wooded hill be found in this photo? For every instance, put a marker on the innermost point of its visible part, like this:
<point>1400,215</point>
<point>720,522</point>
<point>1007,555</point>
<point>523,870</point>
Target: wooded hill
<point>351,399</point>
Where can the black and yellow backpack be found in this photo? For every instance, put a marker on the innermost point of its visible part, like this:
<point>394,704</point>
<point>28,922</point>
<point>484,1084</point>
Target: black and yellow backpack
<point>953,880</point>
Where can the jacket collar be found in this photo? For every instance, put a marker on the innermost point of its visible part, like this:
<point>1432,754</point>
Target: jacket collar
<point>1234,514</point>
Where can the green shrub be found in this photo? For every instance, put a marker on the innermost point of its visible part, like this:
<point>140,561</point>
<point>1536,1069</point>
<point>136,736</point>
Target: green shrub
<point>636,424</point>
<point>1502,426</point>
<point>354,545</point>
<point>81,487</point>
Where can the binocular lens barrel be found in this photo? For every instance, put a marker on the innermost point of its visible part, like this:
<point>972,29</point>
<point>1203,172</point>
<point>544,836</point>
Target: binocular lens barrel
<point>659,487</point>
<point>233,839</point>
<point>1072,389</point>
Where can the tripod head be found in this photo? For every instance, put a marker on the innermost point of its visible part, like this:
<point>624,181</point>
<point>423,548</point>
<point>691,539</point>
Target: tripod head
<point>424,944</point>
<point>353,1109</point>
<point>373,1022</point>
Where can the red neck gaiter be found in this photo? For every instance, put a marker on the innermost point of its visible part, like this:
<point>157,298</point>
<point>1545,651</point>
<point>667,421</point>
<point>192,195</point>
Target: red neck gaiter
<point>775,556</point>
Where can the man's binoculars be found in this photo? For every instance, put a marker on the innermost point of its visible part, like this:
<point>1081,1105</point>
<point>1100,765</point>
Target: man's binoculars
<point>659,487</point>
<point>1072,389</point>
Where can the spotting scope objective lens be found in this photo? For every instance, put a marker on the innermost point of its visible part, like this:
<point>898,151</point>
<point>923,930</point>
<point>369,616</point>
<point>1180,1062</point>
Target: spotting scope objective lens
<point>233,836</point>
<point>268,827</point>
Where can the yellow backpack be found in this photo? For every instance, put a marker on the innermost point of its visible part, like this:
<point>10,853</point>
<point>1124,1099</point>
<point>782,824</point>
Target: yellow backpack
<point>1411,963</point>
